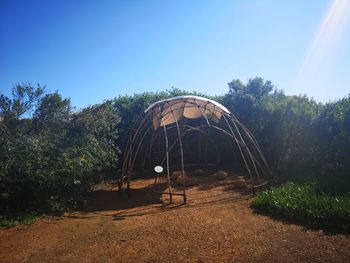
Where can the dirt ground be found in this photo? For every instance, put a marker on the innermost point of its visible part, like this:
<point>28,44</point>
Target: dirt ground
<point>216,225</point>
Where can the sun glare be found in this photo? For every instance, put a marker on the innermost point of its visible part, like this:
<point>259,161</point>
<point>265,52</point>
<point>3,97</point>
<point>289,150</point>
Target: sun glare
<point>319,59</point>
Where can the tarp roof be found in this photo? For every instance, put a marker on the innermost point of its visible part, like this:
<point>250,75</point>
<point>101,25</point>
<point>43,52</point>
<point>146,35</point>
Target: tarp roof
<point>168,111</point>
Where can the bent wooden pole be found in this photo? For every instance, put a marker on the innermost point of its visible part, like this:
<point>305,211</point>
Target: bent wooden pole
<point>167,164</point>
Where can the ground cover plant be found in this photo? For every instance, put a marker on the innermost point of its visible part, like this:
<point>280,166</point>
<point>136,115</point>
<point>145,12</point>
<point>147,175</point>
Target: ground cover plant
<point>25,219</point>
<point>303,203</point>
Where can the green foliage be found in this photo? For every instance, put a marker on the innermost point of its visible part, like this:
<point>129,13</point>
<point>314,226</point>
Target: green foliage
<point>49,159</point>
<point>50,162</point>
<point>302,203</point>
<point>283,125</point>
<point>52,114</point>
<point>26,219</point>
<point>24,97</point>
<point>332,137</point>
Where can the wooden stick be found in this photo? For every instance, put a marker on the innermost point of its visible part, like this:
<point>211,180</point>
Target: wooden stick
<point>167,163</point>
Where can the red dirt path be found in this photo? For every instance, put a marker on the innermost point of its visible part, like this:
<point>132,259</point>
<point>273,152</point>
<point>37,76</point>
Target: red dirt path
<point>217,225</point>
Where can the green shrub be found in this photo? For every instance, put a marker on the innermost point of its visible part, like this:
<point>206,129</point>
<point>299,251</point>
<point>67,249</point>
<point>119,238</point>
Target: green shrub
<point>49,161</point>
<point>304,204</point>
<point>18,220</point>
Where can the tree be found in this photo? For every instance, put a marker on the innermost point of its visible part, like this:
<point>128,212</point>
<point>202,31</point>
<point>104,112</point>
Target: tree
<point>24,98</point>
<point>52,113</point>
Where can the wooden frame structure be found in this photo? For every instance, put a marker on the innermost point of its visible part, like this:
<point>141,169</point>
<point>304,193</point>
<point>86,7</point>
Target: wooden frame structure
<point>171,119</point>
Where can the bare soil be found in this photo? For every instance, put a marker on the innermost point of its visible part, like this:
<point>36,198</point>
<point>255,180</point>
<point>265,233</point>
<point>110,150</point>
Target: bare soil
<point>216,225</point>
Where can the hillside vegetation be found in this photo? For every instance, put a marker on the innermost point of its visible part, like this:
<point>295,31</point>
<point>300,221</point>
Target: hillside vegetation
<point>50,153</point>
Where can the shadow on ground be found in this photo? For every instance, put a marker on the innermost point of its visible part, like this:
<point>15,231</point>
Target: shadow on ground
<point>111,200</point>
<point>145,197</point>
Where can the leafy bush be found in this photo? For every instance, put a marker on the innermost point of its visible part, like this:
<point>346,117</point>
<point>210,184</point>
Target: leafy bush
<point>18,220</point>
<point>302,203</point>
<point>49,161</point>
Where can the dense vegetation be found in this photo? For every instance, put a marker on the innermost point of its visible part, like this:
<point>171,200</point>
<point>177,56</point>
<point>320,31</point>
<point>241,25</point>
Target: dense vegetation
<point>49,160</point>
<point>51,154</point>
<point>305,204</point>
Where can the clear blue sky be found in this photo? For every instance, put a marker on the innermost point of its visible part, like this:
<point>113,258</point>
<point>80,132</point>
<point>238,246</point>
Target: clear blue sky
<point>95,50</point>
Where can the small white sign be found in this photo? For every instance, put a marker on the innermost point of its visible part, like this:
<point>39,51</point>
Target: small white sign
<point>158,169</point>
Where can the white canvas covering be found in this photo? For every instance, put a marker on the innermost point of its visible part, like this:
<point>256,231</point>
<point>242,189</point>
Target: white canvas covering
<point>169,111</point>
